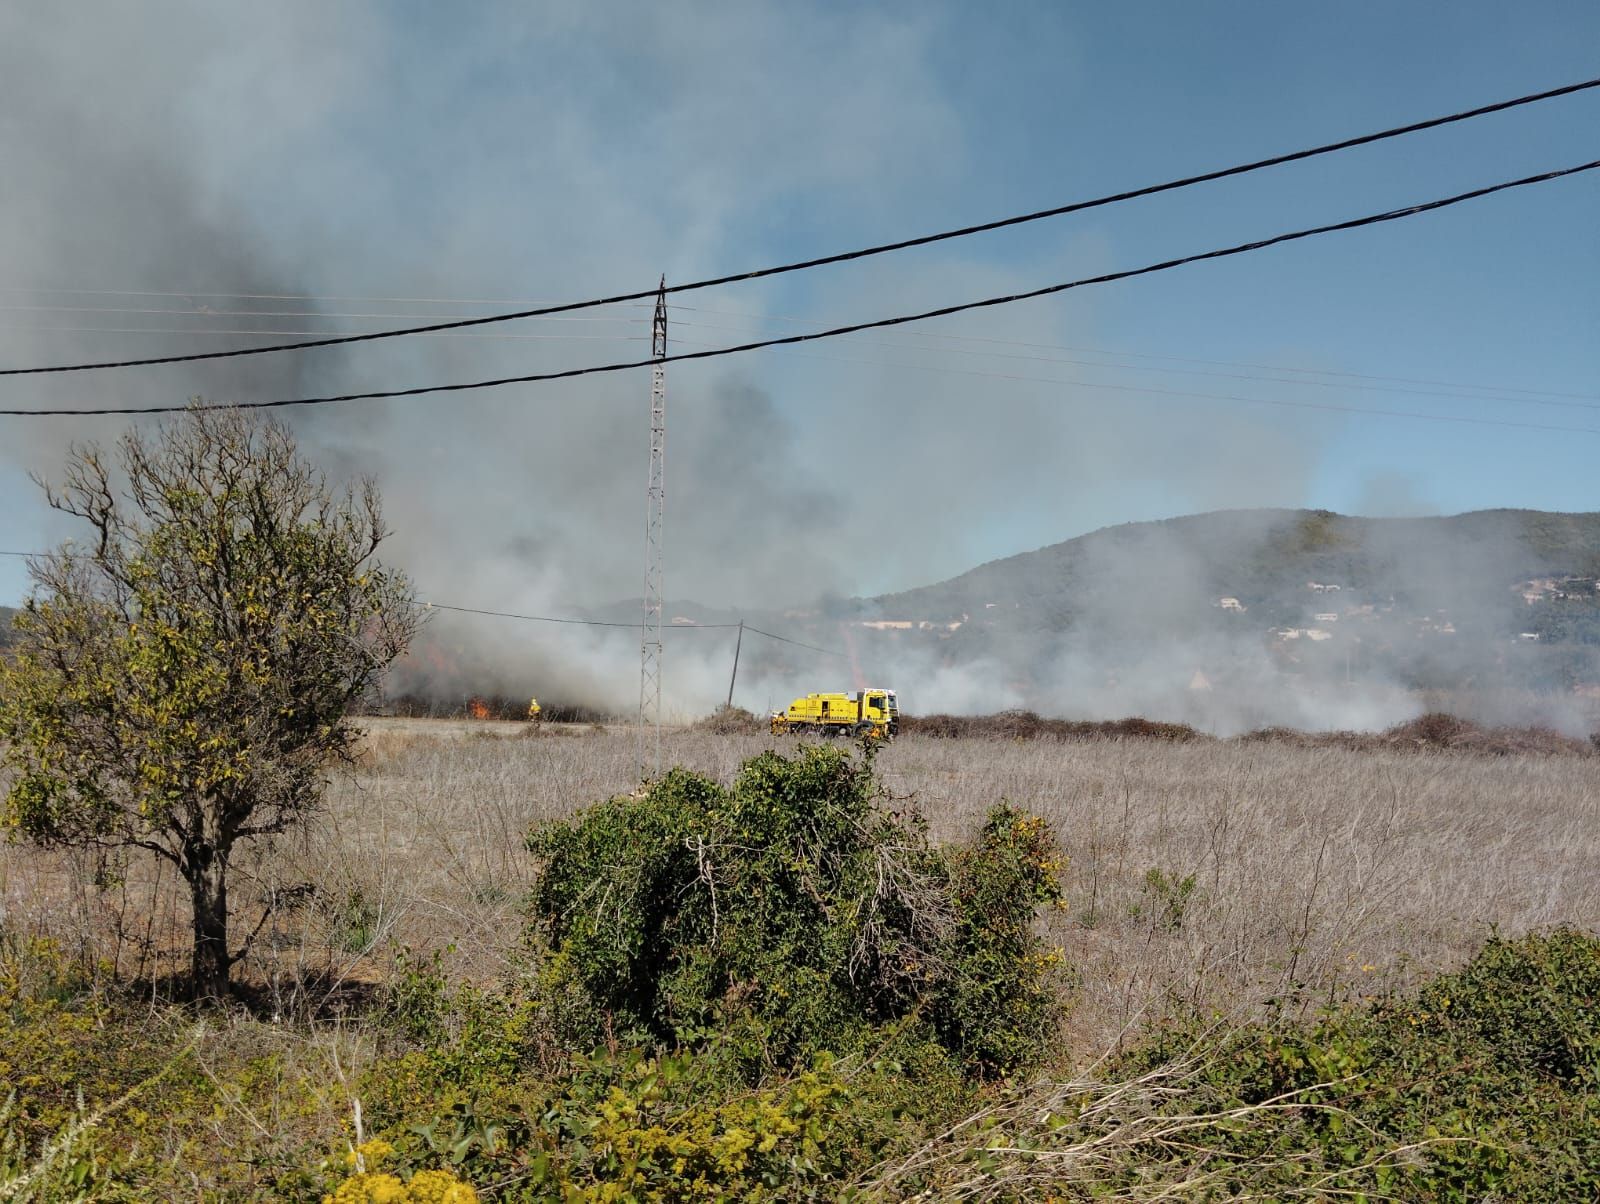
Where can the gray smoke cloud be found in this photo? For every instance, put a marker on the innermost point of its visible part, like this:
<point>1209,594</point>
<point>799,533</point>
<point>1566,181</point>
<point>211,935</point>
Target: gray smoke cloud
<point>1233,621</point>
<point>338,153</point>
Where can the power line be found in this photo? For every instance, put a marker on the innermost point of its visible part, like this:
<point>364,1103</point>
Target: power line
<point>501,614</point>
<point>785,640</point>
<point>1224,397</point>
<point>1139,355</point>
<point>138,292</point>
<point>562,620</point>
<point>1489,393</point>
<point>1094,365</point>
<point>260,313</point>
<point>1484,392</point>
<point>437,334</point>
<point>864,252</point>
<point>812,336</point>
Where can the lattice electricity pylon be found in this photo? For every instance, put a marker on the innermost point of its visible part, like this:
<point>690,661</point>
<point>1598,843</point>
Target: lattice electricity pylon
<point>650,641</point>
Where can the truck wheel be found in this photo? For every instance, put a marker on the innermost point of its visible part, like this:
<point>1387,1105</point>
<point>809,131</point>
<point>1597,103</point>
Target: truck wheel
<point>862,729</point>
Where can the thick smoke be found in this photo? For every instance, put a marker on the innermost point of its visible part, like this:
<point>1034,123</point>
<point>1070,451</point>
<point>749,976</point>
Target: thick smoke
<point>331,154</point>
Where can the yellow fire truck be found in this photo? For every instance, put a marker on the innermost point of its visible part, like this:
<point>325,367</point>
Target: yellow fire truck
<point>872,712</point>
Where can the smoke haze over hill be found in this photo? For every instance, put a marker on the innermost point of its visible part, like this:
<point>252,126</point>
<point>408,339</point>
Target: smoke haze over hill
<point>302,166</point>
<point>1229,621</point>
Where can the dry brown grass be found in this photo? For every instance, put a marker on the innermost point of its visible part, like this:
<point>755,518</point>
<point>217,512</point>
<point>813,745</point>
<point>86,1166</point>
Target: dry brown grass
<point>1318,873</point>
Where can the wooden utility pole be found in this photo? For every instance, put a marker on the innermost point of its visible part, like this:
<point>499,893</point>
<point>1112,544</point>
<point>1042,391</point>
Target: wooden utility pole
<point>734,676</point>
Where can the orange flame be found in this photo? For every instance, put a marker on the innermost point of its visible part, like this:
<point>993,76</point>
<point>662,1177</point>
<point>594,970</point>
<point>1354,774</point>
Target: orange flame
<point>477,708</point>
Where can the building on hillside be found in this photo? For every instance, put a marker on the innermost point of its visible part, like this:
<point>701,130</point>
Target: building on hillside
<point>1326,616</point>
<point>1232,604</point>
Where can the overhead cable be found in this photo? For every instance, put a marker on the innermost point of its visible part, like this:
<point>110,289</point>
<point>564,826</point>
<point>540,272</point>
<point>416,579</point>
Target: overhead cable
<point>278,334</point>
<point>565,621</point>
<point>786,640</point>
<point>952,337</point>
<point>878,323</point>
<point>1097,365</point>
<point>267,313</point>
<point>1223,397</point>
<point>501,614</point>
<point>861,253</point>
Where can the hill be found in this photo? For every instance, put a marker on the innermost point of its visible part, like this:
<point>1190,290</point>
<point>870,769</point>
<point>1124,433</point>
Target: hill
<point>7,613</point>
<point>1269,558</point>
<point>1245,602</point>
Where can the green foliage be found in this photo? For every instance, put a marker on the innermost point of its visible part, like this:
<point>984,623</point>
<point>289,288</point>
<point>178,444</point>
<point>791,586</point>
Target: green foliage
<point>1535,1002</point>
<point>789,915</point>
<point>357,922</point>
<point>640,1125</point>
<point>462,1038</point>
<point>1165,897</point>
<point>1485,1084</point>
<point>109,1098</point>
<point>638,1131</point>
<point>995,1005</point>
<point>184,685</point>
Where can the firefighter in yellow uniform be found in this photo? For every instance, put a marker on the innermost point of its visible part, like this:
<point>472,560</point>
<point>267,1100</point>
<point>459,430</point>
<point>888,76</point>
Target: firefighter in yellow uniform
<point>535,715</point>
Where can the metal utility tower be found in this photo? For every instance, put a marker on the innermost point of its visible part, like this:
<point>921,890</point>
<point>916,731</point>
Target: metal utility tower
<point>650,641</point>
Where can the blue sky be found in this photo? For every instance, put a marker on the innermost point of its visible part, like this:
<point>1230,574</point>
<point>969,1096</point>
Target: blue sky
<point>560,151</point>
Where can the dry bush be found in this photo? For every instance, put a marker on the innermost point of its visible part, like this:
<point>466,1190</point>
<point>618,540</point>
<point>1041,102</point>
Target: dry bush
<point>1135,1139</point>
<point>732,721</point>
<point>1436,731</point>
<point>1028,725</point>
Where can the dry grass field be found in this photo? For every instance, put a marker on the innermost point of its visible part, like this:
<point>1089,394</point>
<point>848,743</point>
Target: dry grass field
<point>1233,877</point>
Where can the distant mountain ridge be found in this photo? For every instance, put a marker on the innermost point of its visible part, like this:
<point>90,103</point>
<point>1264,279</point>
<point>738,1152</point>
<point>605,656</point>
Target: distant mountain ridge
<point>1168,578</point>
<point>1258,554</point>
<point>1509,596</point>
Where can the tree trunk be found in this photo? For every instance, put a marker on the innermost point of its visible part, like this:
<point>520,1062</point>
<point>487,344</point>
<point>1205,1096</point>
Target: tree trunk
<point>207,871</point>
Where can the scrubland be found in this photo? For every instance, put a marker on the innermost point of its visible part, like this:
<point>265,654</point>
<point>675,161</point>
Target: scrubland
<point>1219,875</point>
<point>1209,886</point>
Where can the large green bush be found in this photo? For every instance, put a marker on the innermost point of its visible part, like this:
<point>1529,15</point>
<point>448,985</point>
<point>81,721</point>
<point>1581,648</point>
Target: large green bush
<point>792,914</point>
<point>1483,1085</point>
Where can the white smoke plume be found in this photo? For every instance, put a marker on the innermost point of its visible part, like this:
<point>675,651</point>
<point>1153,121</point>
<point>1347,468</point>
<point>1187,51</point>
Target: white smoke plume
<point>301,159</point>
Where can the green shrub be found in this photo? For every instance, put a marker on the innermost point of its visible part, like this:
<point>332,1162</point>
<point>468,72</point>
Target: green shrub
<point>1166,896</point>
<point>106,1096</point>
<point>450,1048</point>
<point>1484,1082</point>
<point>789,915</point>
<point>994,1005</point>
<point>642,1125</point>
